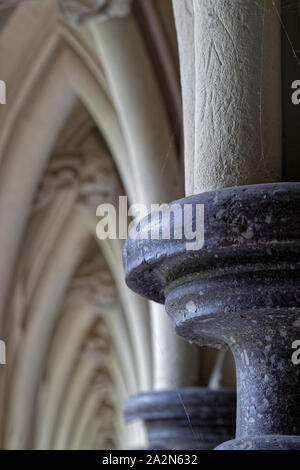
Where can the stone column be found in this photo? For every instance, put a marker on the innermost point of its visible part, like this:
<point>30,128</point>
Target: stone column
<point>184,18</point>
<point>231,94</point>
<point>175,362</point>
<point>144,121</point>
<point>240,288</point>
<point>145,125</point>
<point>290,90</point>
<point>230,54</point>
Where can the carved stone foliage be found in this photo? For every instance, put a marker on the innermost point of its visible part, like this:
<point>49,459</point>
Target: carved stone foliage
<point>94,177</point>
<point>94,282</point>
<point>77,12</point>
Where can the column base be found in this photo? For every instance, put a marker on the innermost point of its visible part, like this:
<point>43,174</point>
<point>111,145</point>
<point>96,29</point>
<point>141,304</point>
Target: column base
<point>267,442</point>
<point>194,418</point>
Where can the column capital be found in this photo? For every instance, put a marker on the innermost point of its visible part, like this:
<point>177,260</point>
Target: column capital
<point>93,176</point>
<point>77,12</point>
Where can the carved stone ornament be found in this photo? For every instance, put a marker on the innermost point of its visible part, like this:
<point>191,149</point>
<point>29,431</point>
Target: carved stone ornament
<point>77,12</point>
<point>95,178</point>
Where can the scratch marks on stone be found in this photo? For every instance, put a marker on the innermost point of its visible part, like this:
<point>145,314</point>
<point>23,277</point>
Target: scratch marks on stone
<point>169,151</point>
<point>209,62</point>
<point>189,7</point>
<point>187,415</point>
<point>217,53</point>
<point>227,31</point>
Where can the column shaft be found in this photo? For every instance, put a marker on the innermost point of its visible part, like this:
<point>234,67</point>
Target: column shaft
<point>237,70</point>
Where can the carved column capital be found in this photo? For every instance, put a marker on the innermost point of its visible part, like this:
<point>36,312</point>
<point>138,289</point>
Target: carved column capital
<point>77,12</point>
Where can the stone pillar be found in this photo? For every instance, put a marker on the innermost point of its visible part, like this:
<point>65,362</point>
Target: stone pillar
<point>145,124</point>
<point>175,362</point>
<point>230,55</point>
<point>231,95</point>
<point>240,288</point>
<point>290,90</point>
<point>184,18</point>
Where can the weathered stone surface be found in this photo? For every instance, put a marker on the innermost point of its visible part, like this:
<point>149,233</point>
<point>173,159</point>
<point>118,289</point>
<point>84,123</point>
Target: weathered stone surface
<point>230,55</point>
<point>249,220</point>
<point>79,11</point>
<point>241,290</point>
<point>187,418</point>
<point>278,442</point>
